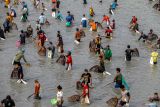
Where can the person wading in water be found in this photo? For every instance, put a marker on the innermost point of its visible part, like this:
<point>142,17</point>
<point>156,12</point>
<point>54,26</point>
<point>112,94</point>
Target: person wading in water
<point>128,52</point>
<point>118,78</point>
<point>8,102</point>
<point>59,96</point>
<point>37,89</point>
<point>59,42</point>
<point>69,61</point>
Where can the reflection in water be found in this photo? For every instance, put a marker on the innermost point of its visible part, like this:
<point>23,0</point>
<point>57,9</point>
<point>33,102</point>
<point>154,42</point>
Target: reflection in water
<point>37,103</point>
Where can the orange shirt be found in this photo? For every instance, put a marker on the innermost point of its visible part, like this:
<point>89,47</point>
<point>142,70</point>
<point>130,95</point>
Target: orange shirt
<point>93,26</point>
<point>78,35</point>
<point>9,18</point>
<point>53,1</point>
<point>37,88</point>
<point>8,1</point>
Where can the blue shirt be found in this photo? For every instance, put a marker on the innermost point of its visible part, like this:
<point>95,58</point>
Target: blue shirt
<point>69,18</point>
<point>84,22</point>
<point>114,5</point>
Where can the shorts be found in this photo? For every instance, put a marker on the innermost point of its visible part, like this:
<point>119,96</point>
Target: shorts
<point>95,30</point>
<point>14,63</point>
<point>122,103</point>
<point>20,75</point>
<point>155,62</point>
<point>108,34</point>
<point>98,50</point>
<point>128,58</point>
<point>78,40</point>
<point>117,85</point>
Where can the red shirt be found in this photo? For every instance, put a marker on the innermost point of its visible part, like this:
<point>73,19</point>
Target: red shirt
<point>69,60</point>
<point>42,37</point>
<point>108,31</point>
<point>85,88</point>
<point>134,20</point>
<point>53,1</point>
<point>105,18</point>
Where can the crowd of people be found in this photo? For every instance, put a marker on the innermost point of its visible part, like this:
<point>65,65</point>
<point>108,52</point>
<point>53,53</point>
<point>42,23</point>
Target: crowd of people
<point>108,24</point>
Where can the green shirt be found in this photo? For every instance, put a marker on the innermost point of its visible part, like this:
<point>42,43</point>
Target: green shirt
<point>108,53</point>
<point>119,78</point>
<point>18,57</point>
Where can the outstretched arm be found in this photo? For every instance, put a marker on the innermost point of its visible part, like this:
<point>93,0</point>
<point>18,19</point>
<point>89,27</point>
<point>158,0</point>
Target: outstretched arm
<point>24,59</point>
<point>58,59</point>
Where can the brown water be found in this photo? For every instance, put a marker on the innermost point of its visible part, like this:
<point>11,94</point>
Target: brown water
<point>142,78</point>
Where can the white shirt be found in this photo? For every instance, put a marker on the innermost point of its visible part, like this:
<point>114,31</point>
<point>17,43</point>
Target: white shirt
<point>42,19</point>
<point>59,95</point>
<point>24,10</point>
<point>83,19</point>
<point>153,104</point>
<point>124,96</point>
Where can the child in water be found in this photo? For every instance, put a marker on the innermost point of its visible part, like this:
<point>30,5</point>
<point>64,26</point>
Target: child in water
<point>69,61</point>
<point>59,96</point>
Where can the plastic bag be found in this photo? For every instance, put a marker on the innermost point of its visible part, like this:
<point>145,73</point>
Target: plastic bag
<point>49,54</point>
<point>86,100</point>
<point>151,60</point>
<point>69,67</point>
<point>77,42</point>
<point>53,14</point>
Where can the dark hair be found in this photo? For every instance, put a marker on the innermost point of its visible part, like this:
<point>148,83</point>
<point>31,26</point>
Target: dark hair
<point>86,70</point>
<point>36,81</point>
<point>8,97</point>
<point>84,15</point>
<point>122,87</point>
<point>69,52</point>
<point>68,12</point>
<point>49,48</point>
<point>59,87</point>
<point>156,93</point>
<point>21,31</point>
<point>128,46</point>
<point>77,29</point>
<point>50,43</point>
<point>118,69</point>
<point>58,31</point>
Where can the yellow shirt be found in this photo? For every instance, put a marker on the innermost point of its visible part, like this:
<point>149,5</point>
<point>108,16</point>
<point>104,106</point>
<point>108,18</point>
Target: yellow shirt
<point>154,55</point>
<point>91,12</point>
